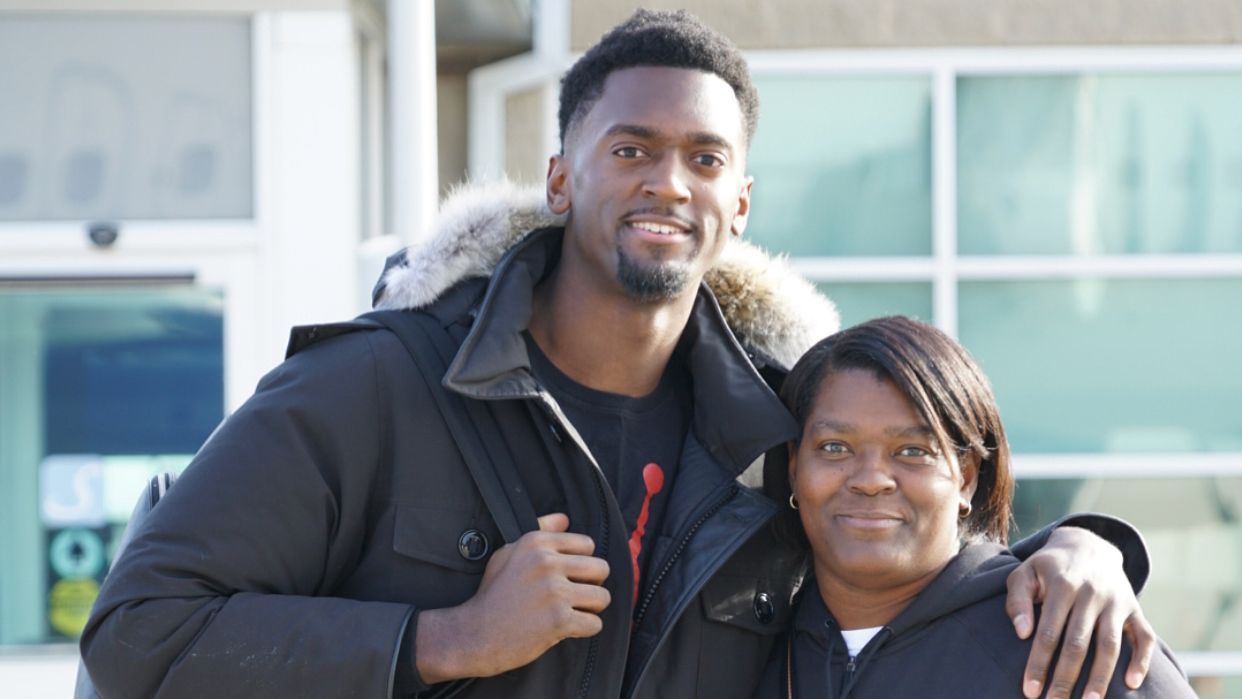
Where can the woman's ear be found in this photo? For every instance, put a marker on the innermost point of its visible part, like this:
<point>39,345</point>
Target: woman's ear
<point>969,465</point>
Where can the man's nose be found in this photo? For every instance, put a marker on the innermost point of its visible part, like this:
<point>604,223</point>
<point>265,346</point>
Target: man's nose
<point>666,180</point>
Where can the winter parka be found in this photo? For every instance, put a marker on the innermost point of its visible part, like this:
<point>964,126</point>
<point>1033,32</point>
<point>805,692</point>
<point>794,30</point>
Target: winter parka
<point>326,511</point>
<point>953,640</point>
<point>308,531</point>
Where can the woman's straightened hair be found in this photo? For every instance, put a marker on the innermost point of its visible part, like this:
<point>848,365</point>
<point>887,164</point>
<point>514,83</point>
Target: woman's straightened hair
<point>947,389</point>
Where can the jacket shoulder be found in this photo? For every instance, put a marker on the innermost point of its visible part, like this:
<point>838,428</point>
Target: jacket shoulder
<point>303,336</point>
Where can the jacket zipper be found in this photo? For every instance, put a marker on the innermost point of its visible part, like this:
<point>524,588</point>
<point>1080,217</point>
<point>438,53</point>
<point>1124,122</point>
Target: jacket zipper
<point>593,646</point>
<point>681,547</point>
<point>557,417</point>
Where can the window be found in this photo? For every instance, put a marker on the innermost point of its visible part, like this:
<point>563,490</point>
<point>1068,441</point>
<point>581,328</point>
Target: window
<point>125,118</point>
<point>103,387</point>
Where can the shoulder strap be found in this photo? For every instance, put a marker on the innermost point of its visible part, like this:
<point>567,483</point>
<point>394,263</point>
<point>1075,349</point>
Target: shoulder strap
<point>471,422</point>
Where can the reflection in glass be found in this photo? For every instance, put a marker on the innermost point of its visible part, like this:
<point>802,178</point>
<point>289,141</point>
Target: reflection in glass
<point>842,166</point>
<point>1192,529</point>
<point>102,387</point>
<point>129,117</point>
<point>1100,164</point>
<point>1111,365</point>
<point>860,301</point>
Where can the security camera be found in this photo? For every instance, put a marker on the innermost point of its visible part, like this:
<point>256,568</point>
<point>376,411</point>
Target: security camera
<point>102,235</point>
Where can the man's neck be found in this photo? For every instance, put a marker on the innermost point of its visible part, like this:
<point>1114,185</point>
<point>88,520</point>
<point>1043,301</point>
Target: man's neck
<point>606,341</point>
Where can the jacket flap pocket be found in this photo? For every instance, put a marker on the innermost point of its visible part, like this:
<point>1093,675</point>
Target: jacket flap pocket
<point>454,539</point>
<point>753,603</point>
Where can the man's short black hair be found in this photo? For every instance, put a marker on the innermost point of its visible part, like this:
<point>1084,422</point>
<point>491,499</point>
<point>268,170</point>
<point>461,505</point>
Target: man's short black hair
<point>657,38</point>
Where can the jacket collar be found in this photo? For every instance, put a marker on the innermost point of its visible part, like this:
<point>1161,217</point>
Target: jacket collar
<point>737,416</point>
<point>977,572</point>
<point>773,311</point>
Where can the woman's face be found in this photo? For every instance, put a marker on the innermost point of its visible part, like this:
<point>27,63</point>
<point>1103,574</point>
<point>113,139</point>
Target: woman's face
<point>878,497</point>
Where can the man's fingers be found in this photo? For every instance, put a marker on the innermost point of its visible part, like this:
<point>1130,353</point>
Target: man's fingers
<point>1108,634</point>
<point>1020,603</point>
<point>590,598</point>
<point>585,569</point>
<point>554,522</point>
<point>1047,636</point>
<point>581,625</point>
<point>1144,639</point>
<point>1075,643</point>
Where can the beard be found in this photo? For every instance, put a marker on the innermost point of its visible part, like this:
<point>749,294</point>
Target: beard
<point>660,280</point>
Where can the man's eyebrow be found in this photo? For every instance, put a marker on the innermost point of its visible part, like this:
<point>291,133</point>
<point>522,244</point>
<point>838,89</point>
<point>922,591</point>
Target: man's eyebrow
<point>706,138</point>
<point>698,138</point>
<point>632,130</point>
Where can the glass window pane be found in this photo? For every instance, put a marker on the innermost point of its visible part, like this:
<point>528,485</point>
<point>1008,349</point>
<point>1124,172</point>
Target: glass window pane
<point>842,166</point>
<point>859,301</point>
<point>1111,365</point>
<point>114,384</point>
<point>1194,596</point>
<point>1105,164</point>
<point>125,117</point>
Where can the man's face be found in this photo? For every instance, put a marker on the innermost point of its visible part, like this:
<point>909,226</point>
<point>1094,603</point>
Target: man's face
<point>653,179</point>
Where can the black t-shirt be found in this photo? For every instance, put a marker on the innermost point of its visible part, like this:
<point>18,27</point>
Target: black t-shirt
<point>637,442</point>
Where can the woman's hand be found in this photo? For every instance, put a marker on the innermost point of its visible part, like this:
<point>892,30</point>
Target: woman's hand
<point>1079,580</point>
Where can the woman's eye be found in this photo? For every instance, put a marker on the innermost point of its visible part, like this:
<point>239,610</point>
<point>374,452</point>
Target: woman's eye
<point>913,452</point>
<point>834,448</point>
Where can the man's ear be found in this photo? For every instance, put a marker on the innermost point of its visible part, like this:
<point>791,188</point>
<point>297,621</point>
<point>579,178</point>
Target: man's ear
<point>557,185</point>
<point>743,208</point>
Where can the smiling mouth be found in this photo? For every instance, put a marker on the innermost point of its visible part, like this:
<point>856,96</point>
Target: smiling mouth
<point>869,520</point>
<point>657,228</point>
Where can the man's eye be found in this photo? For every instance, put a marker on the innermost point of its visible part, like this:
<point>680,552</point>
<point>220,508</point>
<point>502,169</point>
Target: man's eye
<point>627,152</point>
<point>709,160</point>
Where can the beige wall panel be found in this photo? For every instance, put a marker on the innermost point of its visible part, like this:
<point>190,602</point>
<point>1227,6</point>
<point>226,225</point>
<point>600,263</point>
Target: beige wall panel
<point>199,6</point>
<point>525,161</point>
<point>451,129</point>
<point>896,23</point>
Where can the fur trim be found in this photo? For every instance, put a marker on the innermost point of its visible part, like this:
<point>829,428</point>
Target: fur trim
<point>475,227</point>
<point>769,305</point>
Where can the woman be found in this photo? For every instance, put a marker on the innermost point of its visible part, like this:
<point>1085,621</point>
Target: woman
<point>901,482</point>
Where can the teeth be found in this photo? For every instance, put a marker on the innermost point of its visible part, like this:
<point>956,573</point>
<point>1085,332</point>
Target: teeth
<point>656,228</point>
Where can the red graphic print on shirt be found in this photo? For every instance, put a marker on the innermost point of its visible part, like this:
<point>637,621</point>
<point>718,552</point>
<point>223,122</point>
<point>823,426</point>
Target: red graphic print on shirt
<point>653,481</point>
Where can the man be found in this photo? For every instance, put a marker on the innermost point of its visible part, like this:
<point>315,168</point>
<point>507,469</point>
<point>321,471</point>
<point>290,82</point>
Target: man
<point>330,540</point>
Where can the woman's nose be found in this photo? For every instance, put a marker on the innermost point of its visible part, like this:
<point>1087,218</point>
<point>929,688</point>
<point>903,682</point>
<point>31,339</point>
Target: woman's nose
<point>872,475</point>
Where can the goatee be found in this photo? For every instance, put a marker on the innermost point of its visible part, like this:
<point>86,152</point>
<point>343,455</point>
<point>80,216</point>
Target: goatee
<point>658,281</point>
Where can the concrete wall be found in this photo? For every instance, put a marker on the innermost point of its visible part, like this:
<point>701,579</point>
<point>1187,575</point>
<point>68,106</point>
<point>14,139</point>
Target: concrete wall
<point>525,159</point>
<point>792,24</point>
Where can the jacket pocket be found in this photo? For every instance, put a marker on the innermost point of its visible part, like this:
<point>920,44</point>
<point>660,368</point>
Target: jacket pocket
<point>458,540</point>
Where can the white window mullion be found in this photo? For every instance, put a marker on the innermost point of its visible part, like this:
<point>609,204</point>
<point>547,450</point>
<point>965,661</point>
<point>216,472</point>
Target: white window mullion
<point>944,198</point>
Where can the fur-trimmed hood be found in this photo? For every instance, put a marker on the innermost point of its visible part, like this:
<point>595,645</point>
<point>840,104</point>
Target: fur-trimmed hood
<point>767,304</point>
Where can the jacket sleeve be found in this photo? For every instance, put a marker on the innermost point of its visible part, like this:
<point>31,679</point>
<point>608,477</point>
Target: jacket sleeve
<point>1135,560</point>
<point>222,590</point>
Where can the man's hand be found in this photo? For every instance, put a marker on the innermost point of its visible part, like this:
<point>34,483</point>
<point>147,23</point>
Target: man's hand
<point>1078,578</point>
<point>537,591</point>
